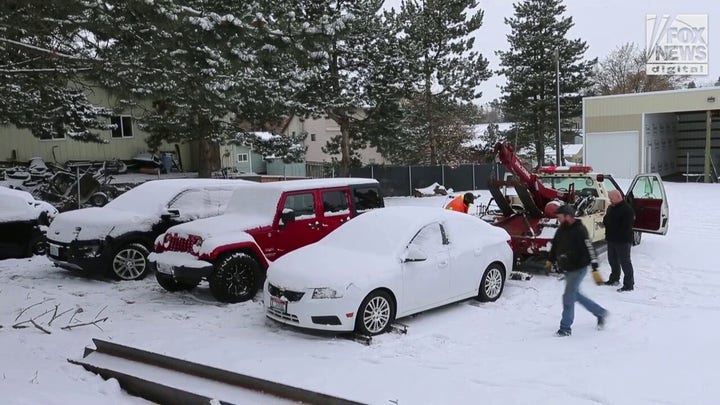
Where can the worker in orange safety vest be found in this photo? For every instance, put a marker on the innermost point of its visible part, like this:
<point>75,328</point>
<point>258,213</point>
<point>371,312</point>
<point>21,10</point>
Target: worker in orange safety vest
<point>461,203</point>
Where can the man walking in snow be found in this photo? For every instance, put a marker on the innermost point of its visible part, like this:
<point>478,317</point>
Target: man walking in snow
<point>572,251</point>
<point>618,223</point>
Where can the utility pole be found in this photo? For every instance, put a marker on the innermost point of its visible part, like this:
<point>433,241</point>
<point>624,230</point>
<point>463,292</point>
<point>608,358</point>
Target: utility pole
<point>558,143</point>
<point>708,145</point>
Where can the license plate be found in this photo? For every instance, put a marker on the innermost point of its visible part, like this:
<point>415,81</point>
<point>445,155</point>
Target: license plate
<point>279,304</point>
<point>54,250</point>
<point>164,268</point>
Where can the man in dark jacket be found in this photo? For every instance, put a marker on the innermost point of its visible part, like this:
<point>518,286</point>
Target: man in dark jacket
<point>572,251</point>
<point>618,223</point>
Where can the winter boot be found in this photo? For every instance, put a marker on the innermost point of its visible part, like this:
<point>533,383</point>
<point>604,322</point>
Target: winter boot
<point>612,283</point>
<point>625,289</point>
<point>601,321</point>
<point>563,333</point>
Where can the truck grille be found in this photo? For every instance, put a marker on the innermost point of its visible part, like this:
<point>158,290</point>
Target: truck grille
<point>279,314</point>
<point>291,296</point>
<point>177,243</point>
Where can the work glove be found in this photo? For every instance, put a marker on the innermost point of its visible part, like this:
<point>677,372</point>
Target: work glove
<point>597,277</point>
<point>548,266</point>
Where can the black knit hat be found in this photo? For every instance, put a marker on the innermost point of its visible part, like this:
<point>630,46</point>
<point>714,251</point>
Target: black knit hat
<point>566,209</point>
<point>469,198</point>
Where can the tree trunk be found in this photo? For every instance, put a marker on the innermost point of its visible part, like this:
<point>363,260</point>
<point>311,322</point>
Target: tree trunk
<point>428,117</point>
<point>344,123</point>
<point>208,151</point>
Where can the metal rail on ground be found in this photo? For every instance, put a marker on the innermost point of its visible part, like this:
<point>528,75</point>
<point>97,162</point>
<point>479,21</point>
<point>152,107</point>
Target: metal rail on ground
<point>169,380</point>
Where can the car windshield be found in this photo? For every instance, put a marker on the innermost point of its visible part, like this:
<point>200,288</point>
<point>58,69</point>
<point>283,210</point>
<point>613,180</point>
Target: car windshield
<point>374,232</point>
<point>147,198</point>
<point>563,183</point>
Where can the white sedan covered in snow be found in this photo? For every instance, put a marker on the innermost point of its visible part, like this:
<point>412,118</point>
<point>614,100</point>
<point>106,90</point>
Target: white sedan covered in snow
<point>387,264</point>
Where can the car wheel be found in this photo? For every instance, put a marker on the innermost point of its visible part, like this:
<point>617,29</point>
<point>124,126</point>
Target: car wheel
<point>237,278</point>
<point>37,246</point>
<point>492,283</point>
<point>376,314</point>
<point>129,262</point>
<point>637,238</point>
<point>170,284</point>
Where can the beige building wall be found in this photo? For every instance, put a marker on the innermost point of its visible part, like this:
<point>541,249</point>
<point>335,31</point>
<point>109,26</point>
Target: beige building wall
<point>24,145</point>
<point>653,116</point>
<point>319,132</point>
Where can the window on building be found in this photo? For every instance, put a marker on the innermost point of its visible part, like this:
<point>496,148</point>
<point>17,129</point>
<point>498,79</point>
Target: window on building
<point>50,137</point>
<point>122,126</point>
<point>312,137</point>
<point>243,158</point>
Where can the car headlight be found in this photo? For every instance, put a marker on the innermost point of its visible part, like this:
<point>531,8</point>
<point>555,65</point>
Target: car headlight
<point>325,293</point>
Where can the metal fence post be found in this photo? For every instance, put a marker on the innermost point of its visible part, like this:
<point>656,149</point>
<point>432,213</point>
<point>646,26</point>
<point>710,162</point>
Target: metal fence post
<point>442,174</point>
<point>410,179</point>
<point>372,171</point>
<point>473,176</point>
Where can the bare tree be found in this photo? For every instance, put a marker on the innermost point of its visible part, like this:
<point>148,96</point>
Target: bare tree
<point>623,71</point>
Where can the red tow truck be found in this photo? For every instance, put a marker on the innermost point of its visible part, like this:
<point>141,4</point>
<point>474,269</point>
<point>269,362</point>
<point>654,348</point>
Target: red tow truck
<point>528,214</point>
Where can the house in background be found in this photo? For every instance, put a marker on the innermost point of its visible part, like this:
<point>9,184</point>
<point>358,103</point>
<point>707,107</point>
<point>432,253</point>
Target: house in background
<point>123,143</point>
<point>240,158</point>
<point>319,131</point>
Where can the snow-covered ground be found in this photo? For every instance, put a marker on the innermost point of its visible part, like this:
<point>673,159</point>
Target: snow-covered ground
<point>660,346</point>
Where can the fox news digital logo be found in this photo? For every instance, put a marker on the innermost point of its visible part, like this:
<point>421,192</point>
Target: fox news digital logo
<point>677,44</point>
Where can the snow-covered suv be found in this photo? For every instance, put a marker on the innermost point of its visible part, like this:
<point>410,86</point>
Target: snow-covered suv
<point>23,222</point>
<point>261,224</point>
<point>117,238</point>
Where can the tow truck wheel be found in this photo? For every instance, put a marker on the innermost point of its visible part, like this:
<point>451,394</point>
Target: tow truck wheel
<point>170,284</point>
<point>637,238</point>
<point>492,283</point>
<point>237,278</point>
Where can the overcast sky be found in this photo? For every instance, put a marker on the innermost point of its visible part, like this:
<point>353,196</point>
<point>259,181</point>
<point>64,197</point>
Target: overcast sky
<point>604,24</point>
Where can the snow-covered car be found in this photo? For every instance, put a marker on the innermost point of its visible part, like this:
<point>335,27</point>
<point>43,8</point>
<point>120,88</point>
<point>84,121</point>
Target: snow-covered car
<point>388,264</point>
<point>117,238</point>
<point>23,222</point>
<point>261,224</point>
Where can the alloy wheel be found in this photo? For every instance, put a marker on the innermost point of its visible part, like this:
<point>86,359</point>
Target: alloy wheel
<point>493,283</point>
<point>376,314</point>
<point>129,264</point>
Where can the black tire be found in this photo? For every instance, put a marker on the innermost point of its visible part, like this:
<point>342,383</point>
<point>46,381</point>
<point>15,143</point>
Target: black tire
<point>492,283</point>
<point>37,246</point>
<point>129,262</point>
<point>170,284</point>
<point>236,278</point>
<point>637,238</point>
<point>376,314</point>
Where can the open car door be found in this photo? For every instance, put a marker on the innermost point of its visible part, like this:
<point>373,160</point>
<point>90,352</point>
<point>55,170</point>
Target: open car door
<point>649,201</point>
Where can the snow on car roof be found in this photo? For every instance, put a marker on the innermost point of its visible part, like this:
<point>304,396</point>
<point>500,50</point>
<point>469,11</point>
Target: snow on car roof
<point>385,230</point>
<point>262,199</point>
<point>157,193</point>
<point>6,191</point>
<point>298,185</point>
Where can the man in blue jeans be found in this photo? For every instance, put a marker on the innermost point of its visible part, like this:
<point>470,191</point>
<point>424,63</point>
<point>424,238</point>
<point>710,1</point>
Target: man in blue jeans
<point>572,251</point>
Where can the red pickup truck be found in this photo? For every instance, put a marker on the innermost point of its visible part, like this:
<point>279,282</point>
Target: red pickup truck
<point>261,223</point>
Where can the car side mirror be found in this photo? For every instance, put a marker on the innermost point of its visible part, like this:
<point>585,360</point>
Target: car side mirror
<point>414,254</point>
<point>287,217</point>
<point>170,213</point>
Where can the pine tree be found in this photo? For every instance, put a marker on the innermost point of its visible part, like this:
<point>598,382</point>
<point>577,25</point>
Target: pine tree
<point>46,55</point>
<point>538,30</point>
<point>440,73</point>
<point>199,70</point>
<point>344,58</point>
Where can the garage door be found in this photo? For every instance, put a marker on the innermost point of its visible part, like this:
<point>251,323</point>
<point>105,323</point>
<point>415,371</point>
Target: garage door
<point>616,153</point>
